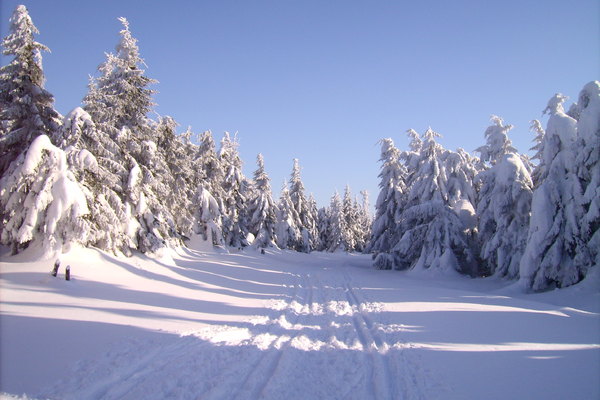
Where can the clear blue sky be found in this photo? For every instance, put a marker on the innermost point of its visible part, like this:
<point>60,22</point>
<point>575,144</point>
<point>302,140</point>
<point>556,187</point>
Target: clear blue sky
<point>323,81</point>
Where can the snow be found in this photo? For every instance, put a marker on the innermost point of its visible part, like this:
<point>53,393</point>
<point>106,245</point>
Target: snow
<point>35,153</point>
<point>201,323</point>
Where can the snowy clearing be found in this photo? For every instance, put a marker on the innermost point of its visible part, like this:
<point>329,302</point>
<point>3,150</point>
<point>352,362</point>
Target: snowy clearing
<point>202,324</point>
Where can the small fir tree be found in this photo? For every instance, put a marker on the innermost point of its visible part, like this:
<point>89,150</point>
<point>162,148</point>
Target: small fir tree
<point>262,209</point>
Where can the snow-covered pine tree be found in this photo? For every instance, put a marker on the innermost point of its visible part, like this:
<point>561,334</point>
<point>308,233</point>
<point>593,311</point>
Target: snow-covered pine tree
<point>207,217</point>
<point>504,203</point>
<point>323,218</point>
<point>41,201</point>
<point>287,231</point>
<point>313,228</point>
<point>235,188</point>
<point>119,101</point>
<point>497,142</point>
<point>102,184</point>
<point>363,227</point>
<point>389,203</point>
<point>556,210</point>
<point>209,165</point>
<point>26,108</point>
<point>120,95</point>
<point>337,225</point>
<point>302,212</point>
<point>350,215</point>
<point>588,171</point>
<point>432,233</point>
<point>538,173</point>
<point>410,158</point>
<point>262,210</point>
<point>178,179</point>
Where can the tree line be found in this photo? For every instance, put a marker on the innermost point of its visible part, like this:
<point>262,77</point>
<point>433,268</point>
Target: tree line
<point>106,175</point>
<point>497,214</point>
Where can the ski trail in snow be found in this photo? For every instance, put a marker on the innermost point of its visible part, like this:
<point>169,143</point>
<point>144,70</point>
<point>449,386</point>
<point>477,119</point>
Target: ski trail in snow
<point>260,374</point>
<point>319,339</point>
<point>372,344</point>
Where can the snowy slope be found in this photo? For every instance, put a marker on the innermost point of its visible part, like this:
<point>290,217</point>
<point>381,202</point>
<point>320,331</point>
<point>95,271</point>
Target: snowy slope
<point>202,324</point>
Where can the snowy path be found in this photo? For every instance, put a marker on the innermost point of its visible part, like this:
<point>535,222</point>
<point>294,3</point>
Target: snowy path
<point>204,325</point>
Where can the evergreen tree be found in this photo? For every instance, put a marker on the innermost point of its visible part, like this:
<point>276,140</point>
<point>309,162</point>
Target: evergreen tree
<point>389,203</point>
<point>102,184</point>
<point>287,231</point>
<point>588,171</point>
<point>210,169</point>
<point>41,201</point>
<point>207,217</point>
<point>432,234</point>
<point>556,211</point>
<point>178,175</point>
<point>120,96</point>
<point>538,174</point>
<point>262,209</point>
<point>497,142</point>
<point>26,108</point>
<point>235,188</point>
<point>323,224</point>
<point>363,226</point>
<point>312,221</point>
<point>119,101</point>
<point>504,203</point>
<point>337,225</point>
<point>122,93</point>
<point>350,215</point>
<point>302,213</point>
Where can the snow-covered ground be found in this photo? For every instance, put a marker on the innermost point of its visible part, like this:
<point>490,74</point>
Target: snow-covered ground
<point>203,324</point>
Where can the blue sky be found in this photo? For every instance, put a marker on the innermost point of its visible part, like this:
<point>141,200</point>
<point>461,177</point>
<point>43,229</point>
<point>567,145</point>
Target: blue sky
<point>323,81</point>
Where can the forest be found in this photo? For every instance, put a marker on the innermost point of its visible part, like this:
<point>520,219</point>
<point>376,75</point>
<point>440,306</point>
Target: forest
<point>108,176</point>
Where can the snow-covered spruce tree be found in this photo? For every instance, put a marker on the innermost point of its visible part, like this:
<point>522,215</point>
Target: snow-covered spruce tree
<point>119,101</point>
<point>209,166</point>
<point>364,222</point>
<point>433,236</point>
<point>313,228</point>
<point>120,95</point>
<point>556,210</point>
<point>26,108</point>
<point>207,217</point>
<point>350,215</point>
<point>41,201</point>
<point>497,142</point>
<point>410,158</point>
<point>504,203</point>
<point>301,208</point>
<point>538,174</point>
<point>287,231</point>
<point>262,210</point>
<point>389,203</point>
<point>337,225</point>
<point>80,139</point>
<point>323,218</point>
<point>178,179</point>
<point>588,171</point>
<point>235,188</point>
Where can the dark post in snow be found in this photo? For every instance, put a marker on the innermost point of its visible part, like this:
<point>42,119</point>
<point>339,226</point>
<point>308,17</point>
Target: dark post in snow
<point>68,273</point>
<point>56,266</point>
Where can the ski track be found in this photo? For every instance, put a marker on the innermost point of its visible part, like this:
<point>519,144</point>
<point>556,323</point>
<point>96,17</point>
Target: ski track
<point>323,330</point>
